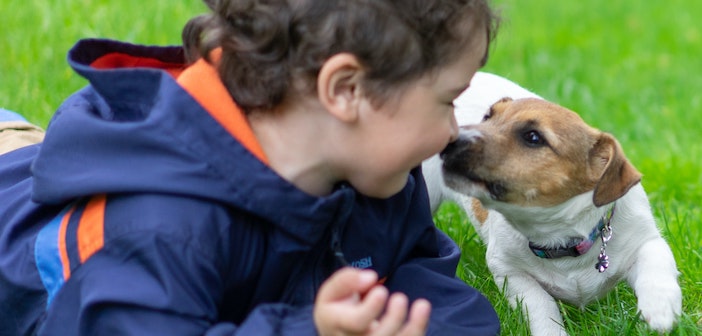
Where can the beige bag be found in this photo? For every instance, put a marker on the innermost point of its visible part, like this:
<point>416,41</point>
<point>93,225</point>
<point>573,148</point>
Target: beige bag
<point>16,134</point>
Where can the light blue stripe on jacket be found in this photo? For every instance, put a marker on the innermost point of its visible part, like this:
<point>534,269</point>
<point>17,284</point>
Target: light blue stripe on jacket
<point>48,257</point>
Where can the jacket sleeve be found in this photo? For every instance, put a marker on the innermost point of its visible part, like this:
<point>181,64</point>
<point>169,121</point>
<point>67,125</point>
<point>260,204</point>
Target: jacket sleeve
<point>271,319</point>
<point>457,308</point>
<point>163,283</point>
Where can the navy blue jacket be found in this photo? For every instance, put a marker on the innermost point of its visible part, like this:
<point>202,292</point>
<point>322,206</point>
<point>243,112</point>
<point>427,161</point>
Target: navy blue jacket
<point>140,214</point>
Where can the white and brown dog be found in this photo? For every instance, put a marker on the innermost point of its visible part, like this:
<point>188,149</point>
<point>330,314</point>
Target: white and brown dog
<point>568,218</point>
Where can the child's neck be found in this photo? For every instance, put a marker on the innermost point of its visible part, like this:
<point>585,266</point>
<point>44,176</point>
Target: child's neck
<point>296,143</point>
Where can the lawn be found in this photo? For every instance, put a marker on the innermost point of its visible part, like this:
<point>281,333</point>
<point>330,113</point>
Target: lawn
<point>36,35</point>
<point>628,67</point>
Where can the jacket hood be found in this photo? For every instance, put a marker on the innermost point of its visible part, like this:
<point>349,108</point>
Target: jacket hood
<point>135,129</point>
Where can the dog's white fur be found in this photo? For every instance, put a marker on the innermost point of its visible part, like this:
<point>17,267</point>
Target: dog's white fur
<point>637,252</point>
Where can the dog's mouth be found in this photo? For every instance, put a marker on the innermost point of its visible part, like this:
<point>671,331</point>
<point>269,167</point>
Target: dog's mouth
<point>497,190</point>
<point>459,180</point>
<point>475,179</point>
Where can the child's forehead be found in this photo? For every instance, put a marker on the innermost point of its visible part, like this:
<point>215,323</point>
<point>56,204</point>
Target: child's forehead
<point>456,75</point>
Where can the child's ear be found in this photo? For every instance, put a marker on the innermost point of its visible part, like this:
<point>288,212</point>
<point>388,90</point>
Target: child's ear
<point>339,86</point>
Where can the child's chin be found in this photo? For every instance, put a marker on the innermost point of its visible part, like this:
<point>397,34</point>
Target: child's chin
<point>384,189</point>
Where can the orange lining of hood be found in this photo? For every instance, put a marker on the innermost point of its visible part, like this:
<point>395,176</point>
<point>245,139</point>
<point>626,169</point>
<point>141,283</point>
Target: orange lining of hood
<point>203,83</point>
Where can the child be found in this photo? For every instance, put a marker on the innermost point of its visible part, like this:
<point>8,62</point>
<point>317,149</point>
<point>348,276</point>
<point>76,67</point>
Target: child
<point>227,195</point>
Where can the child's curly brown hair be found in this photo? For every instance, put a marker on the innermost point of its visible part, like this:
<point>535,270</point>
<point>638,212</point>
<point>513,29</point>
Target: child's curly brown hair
<point>274,48</point>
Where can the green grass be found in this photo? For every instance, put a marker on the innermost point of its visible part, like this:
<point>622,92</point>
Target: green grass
<point>36,36</point>
<point>629,67</point>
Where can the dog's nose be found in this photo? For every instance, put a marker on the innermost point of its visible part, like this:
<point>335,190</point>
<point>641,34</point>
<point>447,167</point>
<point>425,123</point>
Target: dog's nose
<point>465,139</point>
<point>450,148</point>
<point>453,147</point>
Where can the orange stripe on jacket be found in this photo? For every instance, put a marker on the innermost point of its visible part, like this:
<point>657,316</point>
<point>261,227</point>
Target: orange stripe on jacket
<point>63,254</point>
<point>203,83</point>
<point>91,228</point>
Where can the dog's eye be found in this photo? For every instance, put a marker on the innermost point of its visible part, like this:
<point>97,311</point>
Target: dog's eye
<point>533,139</point>
<point>487,116</point>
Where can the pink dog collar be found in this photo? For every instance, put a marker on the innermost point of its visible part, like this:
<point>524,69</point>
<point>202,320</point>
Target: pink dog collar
<point>578,246</point>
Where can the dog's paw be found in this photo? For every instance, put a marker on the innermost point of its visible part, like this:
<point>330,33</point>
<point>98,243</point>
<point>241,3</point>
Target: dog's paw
<point>662,307</point>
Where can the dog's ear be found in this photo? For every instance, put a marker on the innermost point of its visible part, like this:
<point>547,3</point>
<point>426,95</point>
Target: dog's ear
<point>500,105</point>
<point>613,173</point>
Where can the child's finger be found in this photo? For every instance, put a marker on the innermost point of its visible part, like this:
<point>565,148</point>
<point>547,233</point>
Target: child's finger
<point>345,283</point>
<point>418,319</point>
<point>350,301</point>
<point>363,316</point>
<point>394,317</point>
<point>355,317</point>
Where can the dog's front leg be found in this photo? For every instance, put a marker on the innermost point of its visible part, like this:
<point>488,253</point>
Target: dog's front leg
<point>541,308</point>
<point>654,278</point>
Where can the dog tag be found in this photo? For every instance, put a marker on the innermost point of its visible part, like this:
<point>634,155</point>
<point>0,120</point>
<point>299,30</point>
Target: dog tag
<point>602,263</point>
<point>606,235</point>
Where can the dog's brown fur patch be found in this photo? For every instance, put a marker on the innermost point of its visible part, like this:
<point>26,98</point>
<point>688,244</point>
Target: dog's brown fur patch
<point>481,214</point>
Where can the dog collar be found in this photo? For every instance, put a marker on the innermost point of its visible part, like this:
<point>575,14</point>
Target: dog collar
<point>577,246</point>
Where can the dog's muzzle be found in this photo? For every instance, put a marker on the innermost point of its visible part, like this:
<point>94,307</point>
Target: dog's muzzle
<point>462,157</point>
<point>467,142</point>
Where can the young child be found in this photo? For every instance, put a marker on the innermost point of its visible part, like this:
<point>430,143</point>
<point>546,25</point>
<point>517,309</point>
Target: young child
<point>224,187</point>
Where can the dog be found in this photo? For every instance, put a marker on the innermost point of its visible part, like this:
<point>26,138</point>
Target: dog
<point>561,210</point>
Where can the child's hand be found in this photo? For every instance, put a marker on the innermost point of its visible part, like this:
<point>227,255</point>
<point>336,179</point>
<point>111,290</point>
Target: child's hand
<point>351,302</point>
